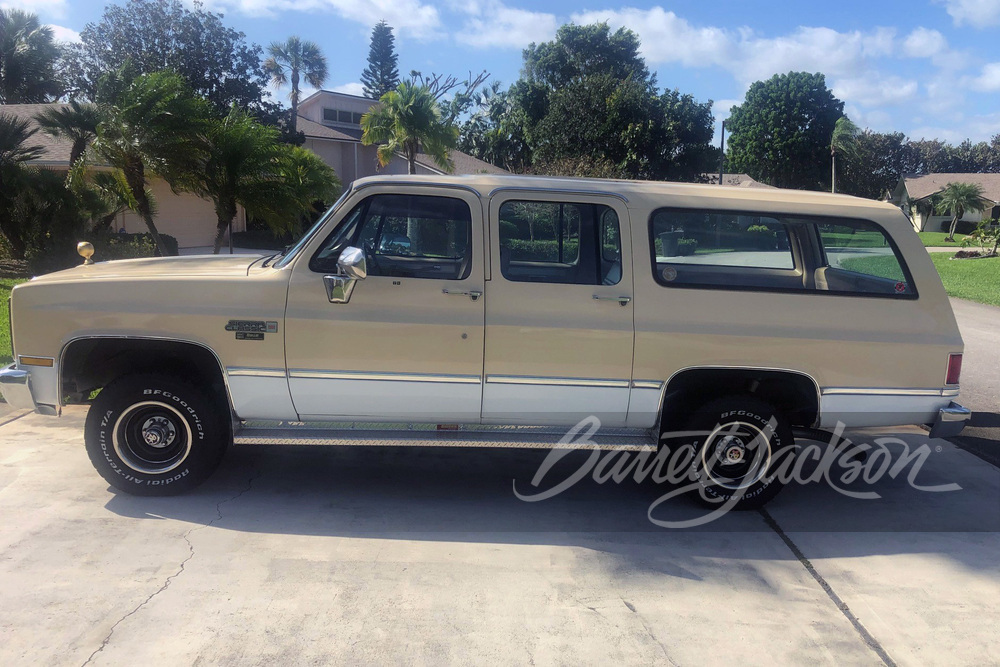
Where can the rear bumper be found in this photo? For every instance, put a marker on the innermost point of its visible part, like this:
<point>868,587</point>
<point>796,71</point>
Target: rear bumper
<point>15,385</point>
<point>950,421</point>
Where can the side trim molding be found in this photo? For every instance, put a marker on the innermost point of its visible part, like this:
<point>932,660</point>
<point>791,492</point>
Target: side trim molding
<point>306,374</point>
<point>557,382</point>
<point>883,391</point>
<point>241,371</point>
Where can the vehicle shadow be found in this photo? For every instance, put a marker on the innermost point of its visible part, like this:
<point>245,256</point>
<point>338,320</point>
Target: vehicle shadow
<point>468,495</point>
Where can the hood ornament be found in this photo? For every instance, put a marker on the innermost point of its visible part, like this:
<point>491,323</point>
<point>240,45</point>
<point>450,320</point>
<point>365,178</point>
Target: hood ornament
<point>86,250</point>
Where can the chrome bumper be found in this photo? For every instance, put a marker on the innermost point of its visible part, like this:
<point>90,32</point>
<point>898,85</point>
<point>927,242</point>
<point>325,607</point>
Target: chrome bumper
<point>951,420</point>
<point>15,385</point>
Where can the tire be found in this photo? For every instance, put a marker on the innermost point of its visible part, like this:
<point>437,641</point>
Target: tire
<point>155,435</point>
<point>742,443</point>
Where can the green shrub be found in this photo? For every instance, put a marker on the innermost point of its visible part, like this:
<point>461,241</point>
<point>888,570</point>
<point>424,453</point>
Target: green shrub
<point>262,239</point>
<point>60,255</point>
<point>541,251</point>
<point>686,247</point>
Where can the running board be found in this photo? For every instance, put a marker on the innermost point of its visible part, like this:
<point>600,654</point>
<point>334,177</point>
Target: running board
<point>404,435</point>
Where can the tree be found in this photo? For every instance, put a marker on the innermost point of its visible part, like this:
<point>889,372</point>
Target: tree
<point>245,165</point>
<point>292,59</point>
<point>215,60</point>
<point>781,133</point>
<point>407,120</point>
<point>957,198</point>
<point>27,59</point>
<point>74,121</point>
<point>875,166</point>
<point>15,154</point>
<point>382,74</point>
<point>843,141</point>
<point>151,124</point>
<point>582,50</point>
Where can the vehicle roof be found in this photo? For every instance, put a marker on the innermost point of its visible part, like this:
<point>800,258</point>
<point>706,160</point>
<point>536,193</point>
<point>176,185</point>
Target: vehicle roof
<point>632,191</point>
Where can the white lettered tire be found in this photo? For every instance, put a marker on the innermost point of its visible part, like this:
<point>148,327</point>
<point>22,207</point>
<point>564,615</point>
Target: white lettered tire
<point>155,435</point>
<point>743,444</point>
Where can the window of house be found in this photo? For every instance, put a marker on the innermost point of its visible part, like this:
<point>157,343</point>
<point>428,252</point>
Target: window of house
<point>560,242</point>
<point>330,115</point>
<point>408,236</point>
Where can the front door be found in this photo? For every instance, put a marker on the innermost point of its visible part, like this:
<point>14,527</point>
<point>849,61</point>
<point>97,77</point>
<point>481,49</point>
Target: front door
<point>559,326</point>
<point>408,345</point>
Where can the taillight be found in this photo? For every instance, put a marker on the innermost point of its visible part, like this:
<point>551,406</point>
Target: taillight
<point>954,368</point>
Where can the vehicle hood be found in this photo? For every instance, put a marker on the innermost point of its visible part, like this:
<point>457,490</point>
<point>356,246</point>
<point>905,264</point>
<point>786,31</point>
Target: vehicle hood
<point>156,267</point>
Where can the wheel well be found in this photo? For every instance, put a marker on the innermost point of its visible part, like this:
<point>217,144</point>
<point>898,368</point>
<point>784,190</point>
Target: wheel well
<point>92,363</point>
<point>796,395</point>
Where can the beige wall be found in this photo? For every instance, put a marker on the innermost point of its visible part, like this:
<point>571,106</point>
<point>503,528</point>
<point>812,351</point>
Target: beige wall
<point>187,217</point>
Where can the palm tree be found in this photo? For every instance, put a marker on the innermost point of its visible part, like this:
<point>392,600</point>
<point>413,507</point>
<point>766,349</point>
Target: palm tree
<point>407,120</point>
<point>957,198</point>
<point>292,59</point>
<point>844,141</point>
<point>15,153</point>
<point>150,125</point>
<point>74,121</point>
<point>27,59</point>
<point>246,166</point>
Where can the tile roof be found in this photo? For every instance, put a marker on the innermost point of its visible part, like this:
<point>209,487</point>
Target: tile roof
<point>56,150</point>
<point>464,164</point>
<point>919,187</point>
<point>313,129</point>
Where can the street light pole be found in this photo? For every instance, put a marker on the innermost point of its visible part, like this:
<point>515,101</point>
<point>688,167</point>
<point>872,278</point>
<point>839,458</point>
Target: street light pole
<point>722,152</point>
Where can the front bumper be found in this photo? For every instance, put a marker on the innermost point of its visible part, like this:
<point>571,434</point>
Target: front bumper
<point>15,385</point>
<point>951,420</point>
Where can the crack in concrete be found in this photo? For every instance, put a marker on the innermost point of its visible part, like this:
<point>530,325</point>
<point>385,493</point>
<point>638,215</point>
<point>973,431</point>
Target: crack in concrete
<point>180,570</point>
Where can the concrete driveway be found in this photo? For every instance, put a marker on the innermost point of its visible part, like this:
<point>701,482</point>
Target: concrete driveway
<point>316,555</point>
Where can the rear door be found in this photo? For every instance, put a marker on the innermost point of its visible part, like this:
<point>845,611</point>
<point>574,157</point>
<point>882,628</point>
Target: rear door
<point>559,325</point>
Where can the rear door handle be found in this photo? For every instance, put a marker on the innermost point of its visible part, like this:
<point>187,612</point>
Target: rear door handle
<point>472,294</point>
<point>622,300</point>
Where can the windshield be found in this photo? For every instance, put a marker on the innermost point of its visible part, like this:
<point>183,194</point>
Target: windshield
<point>288,255</point>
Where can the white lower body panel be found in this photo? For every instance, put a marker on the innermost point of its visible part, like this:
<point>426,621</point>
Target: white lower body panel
<point>880,409</point>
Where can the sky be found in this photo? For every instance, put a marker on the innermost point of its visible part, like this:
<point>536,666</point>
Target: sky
<point>928,68</point>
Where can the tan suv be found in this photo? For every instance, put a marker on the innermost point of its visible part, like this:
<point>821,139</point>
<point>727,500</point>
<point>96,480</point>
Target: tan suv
<point>524,302</point>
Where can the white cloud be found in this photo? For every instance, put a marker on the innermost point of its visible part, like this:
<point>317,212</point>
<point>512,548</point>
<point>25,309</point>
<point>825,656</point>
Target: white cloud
<point>668,38</point>
<point>988,79</point>
<point>492,24</point>
<point>407,17</point>
<point>975,13</point>
<point>63,34</point>
<point>353,88</point>
<point>873,89</point>
<point>54,8</point>
<point>977,128</point>
<point>924,43</point>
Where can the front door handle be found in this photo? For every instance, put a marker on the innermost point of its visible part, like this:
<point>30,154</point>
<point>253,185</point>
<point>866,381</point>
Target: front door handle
<point>622,300</point>
<point>472,294</point>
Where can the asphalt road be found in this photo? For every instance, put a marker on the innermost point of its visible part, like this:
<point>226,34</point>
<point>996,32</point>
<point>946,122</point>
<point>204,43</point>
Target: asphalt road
<point>385,555</point>
<point>980,326</point>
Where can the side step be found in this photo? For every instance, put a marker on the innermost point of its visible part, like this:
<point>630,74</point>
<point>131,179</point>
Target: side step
<point>411,435</point>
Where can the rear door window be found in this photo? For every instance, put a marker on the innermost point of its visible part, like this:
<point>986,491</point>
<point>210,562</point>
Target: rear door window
<point>859,258</point>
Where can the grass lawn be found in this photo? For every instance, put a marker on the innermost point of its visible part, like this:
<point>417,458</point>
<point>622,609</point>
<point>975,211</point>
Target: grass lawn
<point>972,279</point>
<point>6,284</point>
<point>937,240</point>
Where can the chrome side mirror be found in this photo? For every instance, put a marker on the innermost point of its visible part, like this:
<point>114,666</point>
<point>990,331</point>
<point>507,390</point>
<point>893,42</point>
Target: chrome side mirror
<point>352,269</point>
<point>352,263</point>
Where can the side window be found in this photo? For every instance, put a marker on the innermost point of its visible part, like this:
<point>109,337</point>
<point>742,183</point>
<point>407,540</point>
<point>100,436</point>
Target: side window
<point>560,242</point>
<point>721,239</point>
<point>860,259</point>
<point>404,236</point>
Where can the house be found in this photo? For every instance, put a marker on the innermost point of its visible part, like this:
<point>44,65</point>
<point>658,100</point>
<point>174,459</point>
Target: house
<point>735,180</point>
<point>914,196</point>
<point>331,123</point>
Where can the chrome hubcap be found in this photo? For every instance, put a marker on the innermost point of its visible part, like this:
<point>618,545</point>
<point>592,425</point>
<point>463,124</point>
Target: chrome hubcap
<point>158,432</point>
